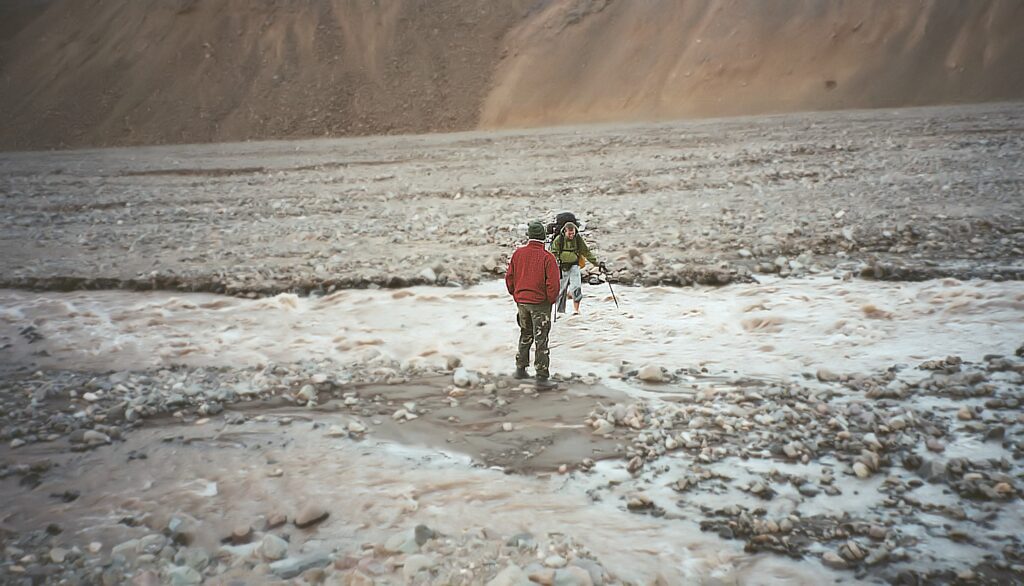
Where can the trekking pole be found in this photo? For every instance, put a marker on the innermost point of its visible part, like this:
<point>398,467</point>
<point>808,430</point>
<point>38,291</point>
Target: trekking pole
<point>561,300</point>
<point>607,280</point>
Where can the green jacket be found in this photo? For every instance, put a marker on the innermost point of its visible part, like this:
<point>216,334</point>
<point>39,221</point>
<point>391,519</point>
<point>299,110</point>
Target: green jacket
<point>569,251</point>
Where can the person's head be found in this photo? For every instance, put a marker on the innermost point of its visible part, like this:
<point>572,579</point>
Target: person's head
<point>535,231</point>
<point>569,230</point>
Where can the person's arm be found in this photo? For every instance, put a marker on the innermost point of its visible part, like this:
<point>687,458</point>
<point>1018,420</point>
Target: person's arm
<point>551,278</point>
<point>584,251</point>
<point>510,275</point>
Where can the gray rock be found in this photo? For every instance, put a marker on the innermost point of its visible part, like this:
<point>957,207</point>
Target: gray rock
<point>572,576</point>
<point>512,575</point>
<point>827,376</point>
<point>272,547</point>
<point>832,559</point>
<point>423,534</point>
<point>289,568</point>
<point>193,557</point>
<point>463,378</point>
<point>809,490</point>
<point>93,437</point>
<point>651,374</point>
<point>152,543</point>
<point>183,576</point>
<point>306,394</point>
<point>932,471</point>
<point>555,561</point>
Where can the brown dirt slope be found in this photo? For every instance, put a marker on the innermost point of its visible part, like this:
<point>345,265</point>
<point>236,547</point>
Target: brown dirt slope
<point>117,72</point>
<point>108,72</point>
<point>601,60</point>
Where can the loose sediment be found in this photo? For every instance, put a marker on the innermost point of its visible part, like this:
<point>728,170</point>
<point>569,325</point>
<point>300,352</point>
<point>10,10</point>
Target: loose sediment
<point>890,195</point>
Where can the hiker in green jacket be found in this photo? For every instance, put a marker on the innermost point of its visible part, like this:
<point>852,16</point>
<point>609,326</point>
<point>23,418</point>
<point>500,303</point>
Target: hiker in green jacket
<point>571,252</point>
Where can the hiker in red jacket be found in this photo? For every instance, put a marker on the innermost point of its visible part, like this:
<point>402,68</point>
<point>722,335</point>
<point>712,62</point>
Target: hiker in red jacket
<point>532,280</point>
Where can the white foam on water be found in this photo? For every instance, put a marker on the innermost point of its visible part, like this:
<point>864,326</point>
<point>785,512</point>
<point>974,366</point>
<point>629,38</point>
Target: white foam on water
<point>774,330</point>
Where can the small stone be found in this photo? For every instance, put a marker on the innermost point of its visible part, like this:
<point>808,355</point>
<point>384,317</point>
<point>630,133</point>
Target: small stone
<point>555,561</point>
<point>306,394</point>
<point>356,427</point>
<point>507,426</point>
<point>272,547</point>
<point>809,490</point>
<point>310,515</point>
<point>58,555</point>
<point>151,543</point>
<point>241,535</point>
<point>877,532</point>
<point>512,575</point>
<point>93,437</point>
<point>651,374</point>
<point>932,471</point>
<point>336,431</point>
<point>462,378</point>
<point>833,560</point>
<point>934,445</point>
<point>183,576</point>
<point>965,414</point>
<point>423,534</point>
<point>289,568</point>
<point>827,376</point>
<point>276,520</point>
<point>1004,489</point>
<point>573,576</point>
<point>861,470</point>
<point>603,427</point>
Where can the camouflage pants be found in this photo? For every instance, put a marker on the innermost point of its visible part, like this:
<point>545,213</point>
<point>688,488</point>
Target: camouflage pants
<point>534,326</point>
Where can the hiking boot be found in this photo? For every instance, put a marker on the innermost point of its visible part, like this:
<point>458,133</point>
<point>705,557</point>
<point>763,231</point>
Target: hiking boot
<point>544,384</point>
<point>521,373</point>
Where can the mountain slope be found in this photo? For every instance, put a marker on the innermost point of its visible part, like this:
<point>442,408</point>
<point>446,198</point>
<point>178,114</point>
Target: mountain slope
<point>79,73</point>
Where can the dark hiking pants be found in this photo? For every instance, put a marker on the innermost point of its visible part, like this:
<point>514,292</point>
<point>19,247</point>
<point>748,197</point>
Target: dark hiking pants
<point>534,325</point>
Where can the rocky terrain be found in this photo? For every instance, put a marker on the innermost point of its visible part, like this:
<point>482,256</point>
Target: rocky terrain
<point>833,396</point>
<point>867,474</point>
<point>890,194</point>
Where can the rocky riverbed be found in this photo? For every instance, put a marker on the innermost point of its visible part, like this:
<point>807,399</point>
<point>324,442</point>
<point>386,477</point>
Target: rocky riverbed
<point>392,461</point>
<point>823,403</point>
<point>904,194</point>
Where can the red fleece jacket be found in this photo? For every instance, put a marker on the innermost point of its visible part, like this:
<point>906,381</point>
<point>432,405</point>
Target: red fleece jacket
<point>532,275</point>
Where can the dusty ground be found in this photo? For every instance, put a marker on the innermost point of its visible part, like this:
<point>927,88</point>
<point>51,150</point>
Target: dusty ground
<point>899,194</point>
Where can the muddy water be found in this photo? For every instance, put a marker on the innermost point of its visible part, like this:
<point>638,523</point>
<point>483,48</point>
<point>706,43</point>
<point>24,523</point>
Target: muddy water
<point>775,330</point>
<point>217,477</point>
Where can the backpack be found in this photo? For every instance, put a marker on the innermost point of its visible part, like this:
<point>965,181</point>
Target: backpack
<point>555,228</point>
